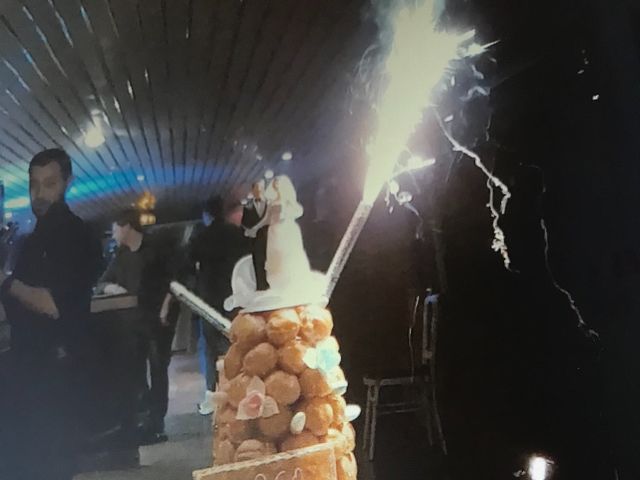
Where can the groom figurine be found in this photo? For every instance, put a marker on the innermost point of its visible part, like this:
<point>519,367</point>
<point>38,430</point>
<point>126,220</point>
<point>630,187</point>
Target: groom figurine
<point>253,212</point>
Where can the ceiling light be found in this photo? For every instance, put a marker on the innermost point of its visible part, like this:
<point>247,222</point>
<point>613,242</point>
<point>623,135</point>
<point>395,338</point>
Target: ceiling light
<point>8,216</point>
<point>147,219</point>
<point>286,156</point>
<point>94,137</point>
<point>268,174</point>
<point>140,178</point>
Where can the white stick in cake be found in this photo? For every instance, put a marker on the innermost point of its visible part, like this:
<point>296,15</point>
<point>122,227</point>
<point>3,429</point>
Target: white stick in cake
<point>347,243</point>
<point>200,307</point>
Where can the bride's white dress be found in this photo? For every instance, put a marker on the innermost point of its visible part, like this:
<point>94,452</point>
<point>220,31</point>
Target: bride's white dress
<point>291,280</point>
<point>287,260</point>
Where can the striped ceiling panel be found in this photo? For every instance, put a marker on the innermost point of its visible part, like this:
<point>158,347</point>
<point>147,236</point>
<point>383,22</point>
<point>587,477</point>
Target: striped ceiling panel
<point>192,97</point>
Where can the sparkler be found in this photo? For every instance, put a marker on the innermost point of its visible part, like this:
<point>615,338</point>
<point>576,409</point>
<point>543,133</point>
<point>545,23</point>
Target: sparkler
<point>417,60</point>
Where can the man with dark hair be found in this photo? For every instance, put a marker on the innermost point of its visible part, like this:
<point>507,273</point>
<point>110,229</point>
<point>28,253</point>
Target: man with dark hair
<point>144,265</point>
<point>124,272</point>
<point>47,300</point>
<point>213,208</point>
<point>214,253</point>
<point>52,155</point>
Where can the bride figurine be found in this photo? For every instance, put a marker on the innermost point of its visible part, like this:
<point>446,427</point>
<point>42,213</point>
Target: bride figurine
<point>286,258</point>
<point>291,280</point>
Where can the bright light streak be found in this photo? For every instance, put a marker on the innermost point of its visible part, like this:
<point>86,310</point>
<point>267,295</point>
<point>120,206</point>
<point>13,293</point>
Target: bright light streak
<point>417,60</point>
<point>538,468</point>
<point>582,325</point>
<point>499,240</point>
<point>416,163</point>
<point>17,203</point>
<point>474,49</point>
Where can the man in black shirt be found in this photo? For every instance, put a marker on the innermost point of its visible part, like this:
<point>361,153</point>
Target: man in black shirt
<point>144,265</point>
<point>214,253</point>
<point>47,301</point>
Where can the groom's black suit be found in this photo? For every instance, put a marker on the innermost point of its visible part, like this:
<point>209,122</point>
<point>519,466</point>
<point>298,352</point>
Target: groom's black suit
<point>250,218</point>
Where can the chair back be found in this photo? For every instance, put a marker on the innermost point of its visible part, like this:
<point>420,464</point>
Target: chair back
<point>430,316</point>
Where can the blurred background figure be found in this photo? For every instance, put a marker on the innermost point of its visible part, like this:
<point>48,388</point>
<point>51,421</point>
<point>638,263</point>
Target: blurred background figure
<point>144,265</point>
<point>213,254</point>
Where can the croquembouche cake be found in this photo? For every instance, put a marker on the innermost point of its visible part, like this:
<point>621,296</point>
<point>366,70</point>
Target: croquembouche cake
<point>280,407</point>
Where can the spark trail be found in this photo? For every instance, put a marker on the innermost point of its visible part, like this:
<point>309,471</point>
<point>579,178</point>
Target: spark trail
<point>582,325</point>
<point>499,243</point>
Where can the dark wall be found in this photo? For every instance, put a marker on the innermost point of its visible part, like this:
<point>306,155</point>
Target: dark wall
<point>563,118</point>
<point>518,375</point>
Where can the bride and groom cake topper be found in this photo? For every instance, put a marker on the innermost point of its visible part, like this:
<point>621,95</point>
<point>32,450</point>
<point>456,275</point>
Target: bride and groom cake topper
<point>277,274</point>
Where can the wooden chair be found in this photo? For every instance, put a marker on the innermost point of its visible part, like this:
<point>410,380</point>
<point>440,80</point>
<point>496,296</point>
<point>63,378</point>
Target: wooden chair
<point>419,381</point>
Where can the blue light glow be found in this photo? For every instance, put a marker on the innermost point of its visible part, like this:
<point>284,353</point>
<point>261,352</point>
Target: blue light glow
<point>96,188</point>
<point>17,203</point>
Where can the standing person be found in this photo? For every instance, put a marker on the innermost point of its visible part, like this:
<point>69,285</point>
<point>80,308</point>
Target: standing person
<point>197,322</point>
<point>214,253</point>
<point>47,300</point>
<point>254,212</point>
<point>144,265</point>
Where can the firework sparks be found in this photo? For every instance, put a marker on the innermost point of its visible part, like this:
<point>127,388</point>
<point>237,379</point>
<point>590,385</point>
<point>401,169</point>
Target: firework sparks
<point>417,60</point>
<point>499,240</point>
<point>582,325</point>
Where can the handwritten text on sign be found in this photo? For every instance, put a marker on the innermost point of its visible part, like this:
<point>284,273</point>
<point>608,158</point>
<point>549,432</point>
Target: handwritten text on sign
<point>283,475</point>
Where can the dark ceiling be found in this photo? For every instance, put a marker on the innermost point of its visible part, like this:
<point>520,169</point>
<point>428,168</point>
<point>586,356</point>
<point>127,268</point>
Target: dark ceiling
<point>192,96</point>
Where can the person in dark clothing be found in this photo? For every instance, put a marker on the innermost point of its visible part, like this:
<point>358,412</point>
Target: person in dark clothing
<point>47,300</point>
<point>144,265</point>
<point>253,212</point>
<point>214,253</point>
